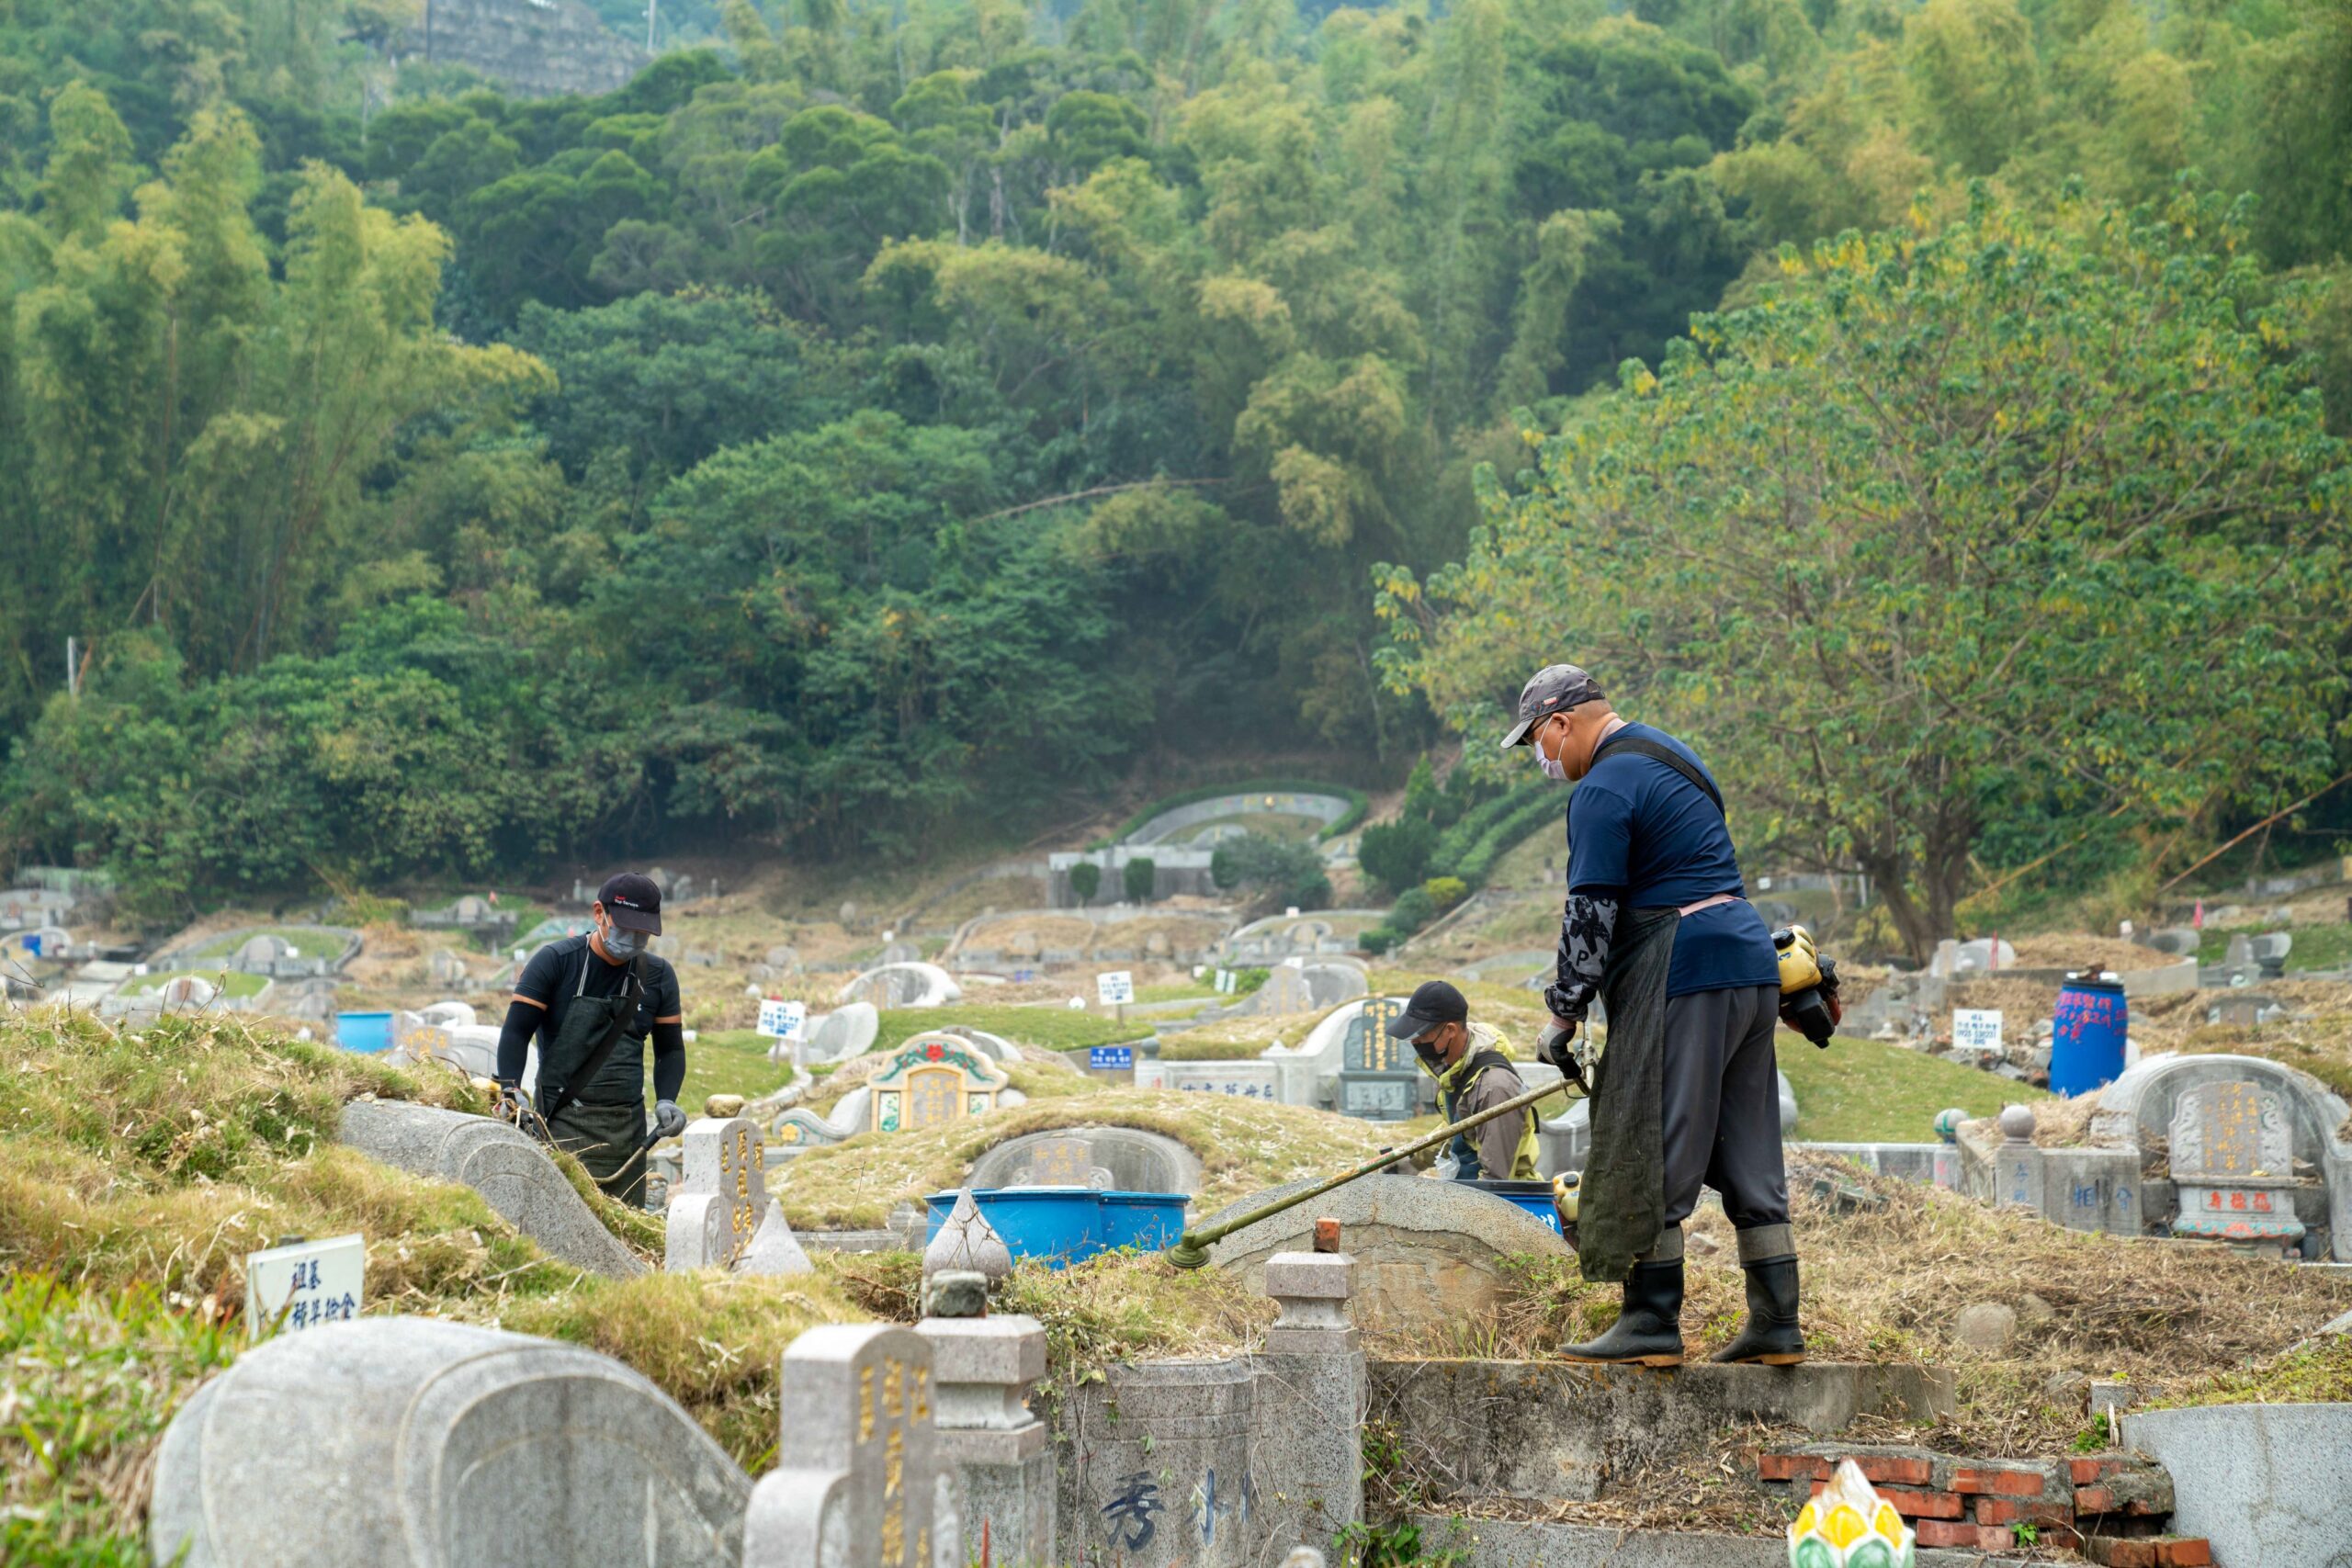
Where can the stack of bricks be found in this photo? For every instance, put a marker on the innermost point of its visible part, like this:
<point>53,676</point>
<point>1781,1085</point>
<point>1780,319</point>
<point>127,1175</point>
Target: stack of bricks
<point>2112,1508</point>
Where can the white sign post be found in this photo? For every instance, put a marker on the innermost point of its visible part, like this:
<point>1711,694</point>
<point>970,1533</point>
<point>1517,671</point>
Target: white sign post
<point>307,1283</point>
<point>1976,1029</point>
<point>782,1020</point>
<point>1115,989</point>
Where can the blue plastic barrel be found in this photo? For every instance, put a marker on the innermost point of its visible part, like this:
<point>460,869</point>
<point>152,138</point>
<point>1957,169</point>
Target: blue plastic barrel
<point>1055,1224</point>
<point>367,1033</point>
<point>1152,1221</point>
<point>1061,1226</point>
<point>2087,1035</point>
<point>1535,1197</point>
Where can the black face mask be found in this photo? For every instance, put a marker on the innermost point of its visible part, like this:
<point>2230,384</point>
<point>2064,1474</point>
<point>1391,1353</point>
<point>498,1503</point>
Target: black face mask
<point>1431,1056</point>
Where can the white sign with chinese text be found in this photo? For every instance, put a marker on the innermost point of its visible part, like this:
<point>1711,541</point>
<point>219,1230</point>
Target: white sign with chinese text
<point>1976,1029</point>
<point>1115,989</point>
<point>307,1283</point>
<point>782,1020</point>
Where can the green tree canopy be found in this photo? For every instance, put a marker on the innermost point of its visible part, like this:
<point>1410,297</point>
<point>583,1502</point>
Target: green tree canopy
<point>2035,505</point>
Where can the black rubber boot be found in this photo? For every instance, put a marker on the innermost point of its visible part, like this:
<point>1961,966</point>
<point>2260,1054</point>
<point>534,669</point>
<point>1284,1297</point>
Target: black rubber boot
<point>1648,1330</point>
<point>1770,1335</point>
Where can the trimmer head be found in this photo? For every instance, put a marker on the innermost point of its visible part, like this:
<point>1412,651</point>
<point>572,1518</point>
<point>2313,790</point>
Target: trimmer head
<point>1188,1253</point>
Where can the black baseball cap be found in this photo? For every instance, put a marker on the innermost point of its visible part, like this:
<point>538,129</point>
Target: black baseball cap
<point>633,901</point>
<point>1434,1003</point>
<point>1554,689</point>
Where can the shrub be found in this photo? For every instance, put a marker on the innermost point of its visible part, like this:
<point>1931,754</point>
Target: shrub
<point>1280,870</point>
<point>1445,892</point>
<point>1396,854</point>
<point>1085,880</point>
<point>1138,877</point>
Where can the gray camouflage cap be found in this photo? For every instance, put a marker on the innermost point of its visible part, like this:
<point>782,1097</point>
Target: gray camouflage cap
<point>1554,689</point>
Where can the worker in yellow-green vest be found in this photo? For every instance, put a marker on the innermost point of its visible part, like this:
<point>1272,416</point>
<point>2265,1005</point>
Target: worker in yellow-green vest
<point>1473,1075</point>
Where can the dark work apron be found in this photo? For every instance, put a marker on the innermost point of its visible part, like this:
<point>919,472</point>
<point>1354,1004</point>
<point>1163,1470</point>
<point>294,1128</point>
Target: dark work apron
<point>605,1139</point>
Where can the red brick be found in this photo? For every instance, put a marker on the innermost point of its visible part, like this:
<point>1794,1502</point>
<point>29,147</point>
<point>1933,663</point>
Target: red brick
<point>2089,1471</point>
<point>2185,1551</point>
<point>1792,1467</point>
<point>2000,1479</point>
<point>2113,1553</point>
<point>1996,1538</point>
<point>2095,1500</point>
<point>2009,1510</point>
<point>1882,1469</point>
<point>1913,1504</point>
<point>1946,1532</point>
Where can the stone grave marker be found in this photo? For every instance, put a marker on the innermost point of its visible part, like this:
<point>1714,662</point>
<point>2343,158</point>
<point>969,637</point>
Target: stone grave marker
<point>719,1215</point>
<point>440,1445</point>
<point>512,1171</point>
<point>1133,1160</point>
<point>857,1481</point>
<point>1377,1079</point>
<point>2233,1164</point>
<point>1284,992</point>
<point>839,1035</point>
<point>931,1080</point>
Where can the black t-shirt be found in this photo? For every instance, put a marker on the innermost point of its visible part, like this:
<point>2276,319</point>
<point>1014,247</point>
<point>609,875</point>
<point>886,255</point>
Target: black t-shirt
<point>553,977</point>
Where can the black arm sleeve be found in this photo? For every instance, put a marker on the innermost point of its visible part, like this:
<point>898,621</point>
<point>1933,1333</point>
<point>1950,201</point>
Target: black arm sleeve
<point>514,1038</point>
<point>669,1060</point>
<point>1586,925</point>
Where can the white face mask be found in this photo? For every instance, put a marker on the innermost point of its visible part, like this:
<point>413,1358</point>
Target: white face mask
<point>1554,768</point>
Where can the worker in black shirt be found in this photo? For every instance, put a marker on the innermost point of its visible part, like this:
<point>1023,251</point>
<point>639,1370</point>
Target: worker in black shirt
<point>592,1000</point>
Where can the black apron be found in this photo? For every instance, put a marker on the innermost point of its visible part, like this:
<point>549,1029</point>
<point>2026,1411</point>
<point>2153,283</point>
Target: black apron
<point>591,1026</point>
<point>1622,1202</point>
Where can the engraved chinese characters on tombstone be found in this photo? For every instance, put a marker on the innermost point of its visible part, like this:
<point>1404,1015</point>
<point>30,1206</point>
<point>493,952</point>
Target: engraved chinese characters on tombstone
<point>934,1079</point>
<point>1060,1162</point>
<point>1377,1082</point>
<point>857,1483</point>
<point>1370,1048</point>
<point>723,1194</point>
<point>2233,1164</point>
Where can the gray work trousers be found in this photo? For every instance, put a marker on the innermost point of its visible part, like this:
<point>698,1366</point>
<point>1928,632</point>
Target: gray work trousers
<point>1720,1098</point>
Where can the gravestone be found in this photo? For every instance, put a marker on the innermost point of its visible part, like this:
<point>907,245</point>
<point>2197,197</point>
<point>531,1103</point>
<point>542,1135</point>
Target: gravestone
<point>514,1173</point>
<point>931,1080</point>
<point>719,1215</point>
<point>2232,1165</point>
<point>982,1369</point>
<point>1135,1160</point>
<point>2269,950</point>
<point>187,991</point>
<point>838,1036</point>
<point>857,1483</point>
<point>439,1445</point>
<point>783,958</point>
<point>1247,1079</point>
<point>1328,984</point>
<point>1286,992</point>
<point>444,968</point>
<point>912,985</point>
<point>1378,1080</point>
<point>1430,1255</point>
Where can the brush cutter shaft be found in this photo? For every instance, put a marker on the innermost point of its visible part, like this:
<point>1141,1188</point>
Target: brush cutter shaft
<point>1195,1240</point>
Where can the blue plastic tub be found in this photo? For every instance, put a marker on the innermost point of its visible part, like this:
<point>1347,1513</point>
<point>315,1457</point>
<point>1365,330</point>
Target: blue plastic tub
<point>1535,1197</point>
<point>1152,1221</point>
<point>2086,1036</point>
<point>367,1033</point>
<point>1060,1226</point>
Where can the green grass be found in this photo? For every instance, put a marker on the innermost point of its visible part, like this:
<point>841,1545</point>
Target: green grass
<point>1048,1028</point>
<point>1869,1091</point>
<point>2326,946</point>
<point>1179,991</point>
<point>729,1061</point>
<point>233,983</point>
<point>94,1375</point>
<point>311,942</point>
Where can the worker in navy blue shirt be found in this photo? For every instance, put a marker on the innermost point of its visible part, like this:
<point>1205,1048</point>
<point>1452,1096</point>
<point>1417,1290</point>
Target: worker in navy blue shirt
<point>1649,843</point>
<point>594,1001</point>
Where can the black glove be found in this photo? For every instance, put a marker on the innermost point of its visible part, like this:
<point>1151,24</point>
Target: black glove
<point>668,1120</point>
